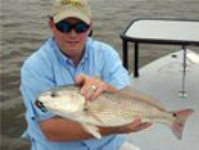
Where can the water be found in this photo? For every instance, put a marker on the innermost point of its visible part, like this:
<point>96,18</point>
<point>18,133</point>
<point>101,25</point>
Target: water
<point>24,27</point>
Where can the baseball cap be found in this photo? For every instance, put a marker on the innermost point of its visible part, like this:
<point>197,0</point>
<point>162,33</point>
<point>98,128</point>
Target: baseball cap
<point>63,9</point>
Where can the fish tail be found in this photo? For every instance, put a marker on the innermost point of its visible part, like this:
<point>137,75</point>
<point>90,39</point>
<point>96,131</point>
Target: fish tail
<point>178,125</point>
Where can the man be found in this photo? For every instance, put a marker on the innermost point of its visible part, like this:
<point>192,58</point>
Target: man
<point>70,56</point>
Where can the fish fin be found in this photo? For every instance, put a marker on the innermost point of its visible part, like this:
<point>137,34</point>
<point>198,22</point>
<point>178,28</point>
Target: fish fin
<point>178,125</point>
<point>92,114</point>
<point>92,130</point>
<point>129,91</point>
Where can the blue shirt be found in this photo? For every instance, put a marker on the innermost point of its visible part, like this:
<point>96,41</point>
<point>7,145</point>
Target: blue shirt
<point>47,68</point>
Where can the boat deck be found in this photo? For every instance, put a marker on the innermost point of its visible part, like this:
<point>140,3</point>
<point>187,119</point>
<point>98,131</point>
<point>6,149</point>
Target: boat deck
<point>162,79</point>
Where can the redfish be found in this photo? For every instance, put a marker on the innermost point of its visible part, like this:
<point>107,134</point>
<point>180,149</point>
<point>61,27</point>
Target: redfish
<point>110,109</point>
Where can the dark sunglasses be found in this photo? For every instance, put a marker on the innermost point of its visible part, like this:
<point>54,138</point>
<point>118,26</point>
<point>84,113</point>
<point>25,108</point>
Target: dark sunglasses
<point>66,27</point>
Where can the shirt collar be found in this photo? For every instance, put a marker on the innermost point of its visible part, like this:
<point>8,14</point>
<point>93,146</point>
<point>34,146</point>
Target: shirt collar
<point>65,59</point>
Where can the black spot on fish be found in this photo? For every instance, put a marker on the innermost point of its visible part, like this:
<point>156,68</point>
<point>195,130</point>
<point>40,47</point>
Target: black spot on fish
<point>174,115</point>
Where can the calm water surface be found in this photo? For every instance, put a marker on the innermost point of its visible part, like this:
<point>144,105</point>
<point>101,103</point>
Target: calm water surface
<point>24,27</point>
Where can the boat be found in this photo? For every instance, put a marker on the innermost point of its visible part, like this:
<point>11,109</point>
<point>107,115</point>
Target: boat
<point>172,79</point>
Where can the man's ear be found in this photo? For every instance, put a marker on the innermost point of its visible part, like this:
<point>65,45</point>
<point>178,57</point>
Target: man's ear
<point>91,33</point>
<point>51,22</point>
<point>91,29</point>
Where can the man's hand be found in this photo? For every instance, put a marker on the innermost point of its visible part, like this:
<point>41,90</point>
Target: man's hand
<point>92,87</point>
<point>135,126</point>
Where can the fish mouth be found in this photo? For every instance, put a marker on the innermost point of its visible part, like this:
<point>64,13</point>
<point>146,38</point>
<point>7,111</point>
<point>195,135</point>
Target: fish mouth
<point>41,106</point>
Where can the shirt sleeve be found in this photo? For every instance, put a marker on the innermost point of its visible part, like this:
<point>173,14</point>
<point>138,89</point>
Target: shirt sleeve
<point>113,71</point>
<point>34,80</point>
